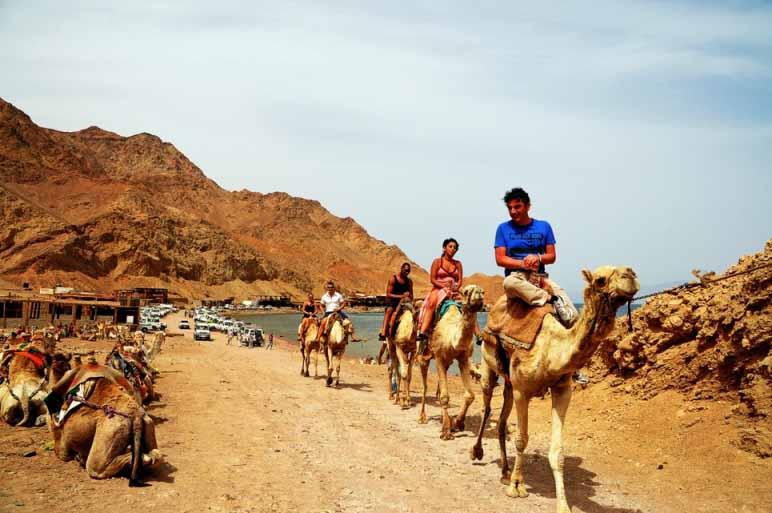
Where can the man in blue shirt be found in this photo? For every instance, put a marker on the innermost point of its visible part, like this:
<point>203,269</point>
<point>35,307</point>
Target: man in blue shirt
<point>524,246</point>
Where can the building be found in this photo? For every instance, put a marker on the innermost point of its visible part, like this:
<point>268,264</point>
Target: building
<point>26,308</point>
<point>141,296</point>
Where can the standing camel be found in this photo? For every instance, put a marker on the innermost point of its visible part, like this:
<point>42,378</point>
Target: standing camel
<point>402,350</point>
<point>453,339</point>
<point>335,345</point>
<point>556,352</point>
<point>308,345</point>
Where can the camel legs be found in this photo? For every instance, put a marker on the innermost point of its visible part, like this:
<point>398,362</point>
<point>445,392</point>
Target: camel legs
<point>391,372</point>
<point>424,374</point>
<point>404,371</point>
<point>561,397</point>
<point>466,378</point>
<point>517,483</point>
<point>303,364</point>
<point>411,357</point>
<point>104,460</point>
<point>487,381</point>
<point>316,362</point>
<point>442,374</point>
<point>338,356</point>
<point>328,357</point>
<point>506,409</point>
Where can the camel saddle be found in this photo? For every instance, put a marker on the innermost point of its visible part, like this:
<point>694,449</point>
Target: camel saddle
<point>91,371</point>
<point>29,350</point>
<point>514,323</point>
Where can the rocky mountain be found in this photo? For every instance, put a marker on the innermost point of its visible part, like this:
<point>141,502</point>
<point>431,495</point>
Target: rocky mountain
<point>99,211</point>
<point>711,341</point>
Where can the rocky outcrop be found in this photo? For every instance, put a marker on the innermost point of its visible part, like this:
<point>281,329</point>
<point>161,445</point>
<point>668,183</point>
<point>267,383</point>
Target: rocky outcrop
<point>100,211</point>
<point>711,340</point>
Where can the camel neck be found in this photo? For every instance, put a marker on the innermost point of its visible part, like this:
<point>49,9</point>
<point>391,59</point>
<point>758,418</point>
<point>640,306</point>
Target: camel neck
<point>586,335</point>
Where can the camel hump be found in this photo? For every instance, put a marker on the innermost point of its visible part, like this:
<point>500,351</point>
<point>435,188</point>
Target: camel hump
<point>516,320</point>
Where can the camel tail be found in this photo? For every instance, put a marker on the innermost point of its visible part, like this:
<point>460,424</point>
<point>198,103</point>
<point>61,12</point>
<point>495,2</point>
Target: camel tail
<point>24,400</point>
<point>136,450</point>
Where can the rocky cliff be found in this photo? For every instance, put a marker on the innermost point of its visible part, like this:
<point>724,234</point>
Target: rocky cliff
<point>709,341</point>
<point>96,210</point>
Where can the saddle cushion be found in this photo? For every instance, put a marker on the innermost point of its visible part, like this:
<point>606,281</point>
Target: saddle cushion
<point>515,319</point>
<point>443,308</point>
<point>90,371</point>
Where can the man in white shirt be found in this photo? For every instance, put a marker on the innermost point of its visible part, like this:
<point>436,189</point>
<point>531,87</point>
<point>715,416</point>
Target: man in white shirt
<point>332,301</point>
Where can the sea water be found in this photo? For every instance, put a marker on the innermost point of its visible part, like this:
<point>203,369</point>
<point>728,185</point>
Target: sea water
<point>366,325</point>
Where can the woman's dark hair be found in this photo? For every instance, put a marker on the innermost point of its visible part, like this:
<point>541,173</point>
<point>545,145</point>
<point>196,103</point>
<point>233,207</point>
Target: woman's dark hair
<point>517,194</point>
<point>405,264</point>
<point>448,241</point>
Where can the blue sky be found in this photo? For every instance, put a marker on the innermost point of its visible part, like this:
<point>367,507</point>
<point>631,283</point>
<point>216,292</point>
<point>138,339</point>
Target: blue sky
<point>642,130</point>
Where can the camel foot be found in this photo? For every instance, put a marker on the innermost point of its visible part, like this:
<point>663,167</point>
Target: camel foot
<point>476,452</point>
<point>329,381</point>
<point>458,425</point>
<point>516,490</point>
<point>446,435</point>
<point>422,418</point>
<point>153,459</point>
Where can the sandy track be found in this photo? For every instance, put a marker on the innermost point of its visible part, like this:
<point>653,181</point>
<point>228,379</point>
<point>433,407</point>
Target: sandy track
<point>242,432</point>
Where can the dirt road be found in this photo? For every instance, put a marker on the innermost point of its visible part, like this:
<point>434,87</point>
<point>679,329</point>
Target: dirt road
<point>241,431</point>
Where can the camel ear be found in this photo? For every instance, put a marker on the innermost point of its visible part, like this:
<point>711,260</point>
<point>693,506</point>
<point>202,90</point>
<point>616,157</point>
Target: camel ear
<point>587,275</point>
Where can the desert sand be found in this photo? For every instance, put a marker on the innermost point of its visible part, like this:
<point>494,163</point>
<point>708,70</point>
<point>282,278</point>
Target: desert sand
<point>242,431</point>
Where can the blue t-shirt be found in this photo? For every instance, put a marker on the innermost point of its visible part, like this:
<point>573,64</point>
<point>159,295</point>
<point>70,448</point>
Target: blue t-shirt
<point>521,241</point>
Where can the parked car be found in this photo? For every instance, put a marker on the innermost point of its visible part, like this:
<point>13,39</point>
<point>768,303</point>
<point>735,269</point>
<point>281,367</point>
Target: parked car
<point>202,334</point>
<point>184,324</point>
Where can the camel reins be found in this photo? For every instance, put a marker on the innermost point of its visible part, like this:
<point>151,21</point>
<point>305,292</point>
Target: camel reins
<point>33,394</point>
<point>110,412</point>
<point>687,286</point>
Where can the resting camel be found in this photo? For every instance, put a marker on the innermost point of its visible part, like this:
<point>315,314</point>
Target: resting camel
<point>453,339</point>
<point>25,381</point>
<point>548,364</point>
<point>131,362</point>
<point>308,345</point>
<point>109,432</point>
<point>335,344</point>
<point>402,350</point>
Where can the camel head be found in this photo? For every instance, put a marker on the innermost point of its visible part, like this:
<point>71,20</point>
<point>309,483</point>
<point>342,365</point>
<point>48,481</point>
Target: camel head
<point>60,364</point>
<point>473,298</point>
<point>617,285</point>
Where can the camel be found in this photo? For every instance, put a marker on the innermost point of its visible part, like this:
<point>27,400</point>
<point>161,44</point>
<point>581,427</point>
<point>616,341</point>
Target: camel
<point>308,345</point>
<point>109,432</point>
<point>159,337</point>
<point>548,364</point>
<point>22,392</point>
<point>132,363</point>
<point>335,345</point>
<point>402,350</point>
<point>453,339</point>
<point>138,338</point>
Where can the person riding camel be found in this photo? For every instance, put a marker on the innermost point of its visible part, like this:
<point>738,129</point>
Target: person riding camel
<point>333,302</point>
<point>399,289</point>
<point>447,275</point>
<point>524,247</point>
<point>310,308</point>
